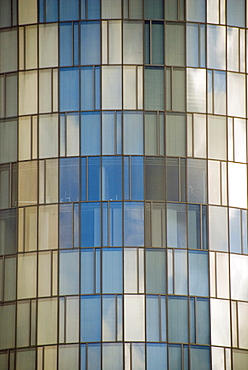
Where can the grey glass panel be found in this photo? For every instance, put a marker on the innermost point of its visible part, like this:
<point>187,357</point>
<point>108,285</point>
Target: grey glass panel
<point>137,178</point>
<point>154,9</point>
<point>196,90</point>
<point>154,88</point>
<point>112,356</point>
<point>156,356</point>
<point>216,38</point>
<point>203,326</point>
<point>8,141</point>
<point>8,227</point>
<point>172,179</point>
<point>69,272</point>
<point>199,358</point>
<point>69,89</point>
<point>8,43</point>
<point>90,319</point>
<point>90,133</point>
<point>218,228</point>
<point>69,179</point>
<point>7,326</point>
<point>197,181</point>
<point>194,227</point>
<point>112,224</point>
<point>180,272</point>
<point>133,224</point>
<point>178,319</point>
<point>236,13</point>
<point>175,135</point>
<point>4,186</point>
<point>111,178</point>
<point>192,45</point>
<point>196,10</point>
<point>198,273</point>
<point>155,272</point>
<point>132,42</point>
<point>157,43</point>
<point>175,44</point>
<point>176,225</point>
<point>155,169</point>
<point>90,225</point>
<point>133,133</point>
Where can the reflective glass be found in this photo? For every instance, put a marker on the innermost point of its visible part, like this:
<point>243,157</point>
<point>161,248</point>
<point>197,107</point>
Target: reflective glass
<point>90,319</point>
<point>177,319</point>
<point>133,224</point>
<point>90,225</point>
<point>111,178</point>
<point>90,133</point>
<point>69,179</point>
<point>69,272</point>
<point>112,270</point>
<point>69,89</point>
<point>90,42</point>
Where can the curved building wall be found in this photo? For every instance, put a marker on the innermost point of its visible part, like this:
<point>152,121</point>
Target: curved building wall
<point>123,185</point>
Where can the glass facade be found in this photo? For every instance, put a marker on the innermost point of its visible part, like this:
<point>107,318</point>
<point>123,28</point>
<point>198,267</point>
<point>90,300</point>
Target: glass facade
<point>123,185</point>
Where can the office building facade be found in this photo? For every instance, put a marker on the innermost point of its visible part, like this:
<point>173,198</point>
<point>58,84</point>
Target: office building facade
<point>123,185</point>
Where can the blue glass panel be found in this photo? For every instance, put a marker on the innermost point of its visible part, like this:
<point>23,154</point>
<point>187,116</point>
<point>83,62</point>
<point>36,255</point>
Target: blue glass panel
<point>112,356</point>
<point>192,320</point>
<point>178,319</point>
<point>90,319</point>
<point>69,179</point>
<point>155,271</point>
<point>51,10</point>
<point>235,230</point>
<point>87,88</point>
<point>94,356</point>
<point>156,356</point>
<point>180,272</point>
<point>83,179</point>
<point>97,87</point>
<point>111,178</point>
<point>152,319</point>
<point>112,270</point>
<point>244,232</point>
<point>133,133</point>
<point>75,43</point>
<point>88,271</point>
<point>198,273</point>
<point>163,317</point>
<point>133,224</point>
<point>69,272</point>
<point>90,133</point>
<point>90,9</point>
<point>90,42</point>
<point>90,225</point>
<point>83,357</point>
<point>186,357</point>
<point>68,10</point>
<point>112,224</point>
<point>203,326</point>
<point>66,46</point>
<point>94,177</point>
<point>69,89</point>
<point>199,358</point>
<point>137,178</point>
<point>65,226</point>
<point>41,12</point>
<point>204,227</point>
<point>236,13</point>
<point>175,357</point>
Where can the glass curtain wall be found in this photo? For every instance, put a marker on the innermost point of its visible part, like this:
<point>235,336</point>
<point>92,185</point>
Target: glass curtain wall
<point>123,185</point>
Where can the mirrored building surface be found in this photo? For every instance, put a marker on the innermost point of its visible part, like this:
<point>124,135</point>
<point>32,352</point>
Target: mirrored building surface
<point>123,185</point>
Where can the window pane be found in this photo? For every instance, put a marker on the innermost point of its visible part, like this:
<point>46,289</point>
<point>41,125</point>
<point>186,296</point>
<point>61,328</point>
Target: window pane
<point>154,88</point>
<point>112,270</point>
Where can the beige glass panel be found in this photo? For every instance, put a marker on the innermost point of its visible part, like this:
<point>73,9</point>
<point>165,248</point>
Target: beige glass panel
<point>72,134</point>
<point>55,90</point>
<point>4,361</point>
<point>61,319</point>
<point>239,140</point>
<point>47,321</point>
<point>217,137</point>
<point>213,11</point>
<point>132,42</point>
<point>175,44</point>
<point>48,227</point>
<point>196,90</point>
<point>129,88</point>
<point>220,322</point>
<point>115,42</point>
<point>68,357</point>
<point>151,139</point>
<point>232,49</point>
<point>189,135</point>
<point>25,359</point>
<point>175,135</point>
<point>1,284</point>
<point>7,326</point>
<point>243,324</point>
<point>104,42</point>
<point>55,273</point>
<point>199,135</point>
<point>240,359</point>
<point>26,277</point>
<point>24,146</point>
<point>41,182</point>
<point>8,44</point>
<point>242,50</point>
<point>48,135</point>
<point>224,183</point>
<point>239,277</point>
<point>111,88</point>
<point>237,185</point>
<point>218,228</point>
<point>34,137</point>
<point>44,274</point>
<point>141,271</point>
<point>30,236</point>
<point>27,92</point>
<point>134,318</point>
<point>27,183</point>
<point>27,11</point>
<point>50,358</point>
<point>23,323</point>
<point>218,361</point>
<point>45,91</point>
<point>111,9</point>
<point>212,270</point>
<point>222,275</point>
<point>21,47</point>
<point>234,323</point>
<point>31,47</point>
<point>72,319</point>
<point>178,90</point>
<point>48,45</point>
<point>214,196</point>
<point>236,102</point>
<point>52,181</point>
<point>140,87</point>
<point>20,229</point>
<point>130,270</point>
